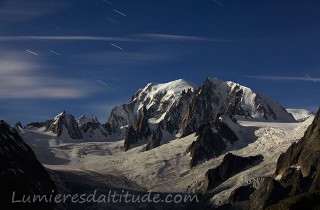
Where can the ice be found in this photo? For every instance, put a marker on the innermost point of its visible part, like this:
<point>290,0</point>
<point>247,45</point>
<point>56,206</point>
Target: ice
<point>166,168</point>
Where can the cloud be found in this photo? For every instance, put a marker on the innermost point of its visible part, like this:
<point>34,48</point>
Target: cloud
<point>267,77</point>
<point>19,11</point>
<point>133,38</point>
<point>125,57</point>
<point>67,38</point>
<point>175,37</point>
<point>24,80</point>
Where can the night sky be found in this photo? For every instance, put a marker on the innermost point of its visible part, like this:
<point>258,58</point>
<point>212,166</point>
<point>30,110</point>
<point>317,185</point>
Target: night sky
<point>87,56</point>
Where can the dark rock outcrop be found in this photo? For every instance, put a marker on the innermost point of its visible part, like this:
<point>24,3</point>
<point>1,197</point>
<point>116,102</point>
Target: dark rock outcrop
<point>241,194</point>
<point>140,130</point>
<point>142,125</point>
<point>270,192</point>
<point>232,106</point>
<point>211,141</point>
<point>131,138</point>
<point>21,172</point>
<point>209,144</point>
<point>297,172</point>
<point>203,107</point>
<point>226,132</point>
<point>230,166</point>
<point>308,201</point>
<point>178,111</point>
<point>107,128</point>
<point>154,140</point>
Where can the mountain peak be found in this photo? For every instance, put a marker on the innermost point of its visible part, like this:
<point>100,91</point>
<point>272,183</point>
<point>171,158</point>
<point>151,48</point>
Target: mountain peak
<point>174,87</point>
<point>152,105</point>
<point>86,119</point>
<point>216,97</point>
<point>173,108</point>
<point>64,125</point>
<point>60,115</point>
<point>85,127</point>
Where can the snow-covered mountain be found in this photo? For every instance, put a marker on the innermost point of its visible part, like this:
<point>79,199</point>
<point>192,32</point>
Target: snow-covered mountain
<point>156,106</point>
<point>220,140</point>
<point>91,128</point>
<point>66,127</point>
<point>160,112</point>
<point>198,163</point>
<point>215,97</point>
<point>157,99</point>
<point>300,115</point>
<point>178,108</point>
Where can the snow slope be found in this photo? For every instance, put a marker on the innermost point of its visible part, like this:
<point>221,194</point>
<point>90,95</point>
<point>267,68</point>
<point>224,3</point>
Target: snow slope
<point>272,139</point>
<point>171,90</point>
<point>168,164</point>
<point>252,103</point>
<point>158,99</point>
<point>300,114</point>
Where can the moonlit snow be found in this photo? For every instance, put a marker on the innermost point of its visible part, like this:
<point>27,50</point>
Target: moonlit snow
<point>166,165</point>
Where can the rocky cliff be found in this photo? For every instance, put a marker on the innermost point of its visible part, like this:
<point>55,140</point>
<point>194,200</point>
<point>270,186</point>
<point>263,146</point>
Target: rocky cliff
<point>297,177</point>
<point>213,138</point>
<point>215,97</point>
<point>178,108</point>
<point>65,125</point>
<point>20,172</point>
<point>230,166</point>
<point>154,107</point>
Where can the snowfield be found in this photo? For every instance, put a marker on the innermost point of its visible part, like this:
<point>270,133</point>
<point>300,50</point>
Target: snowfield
<point>300,114</point>
<point>163,169</point>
